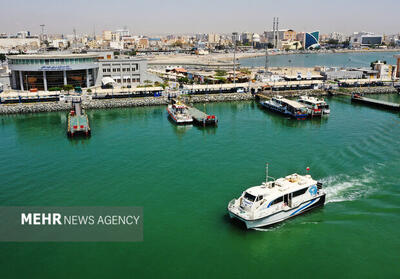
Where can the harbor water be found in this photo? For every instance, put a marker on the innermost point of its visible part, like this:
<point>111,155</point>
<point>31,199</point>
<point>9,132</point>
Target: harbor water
<point>184,178</point>
<point>353,59</point>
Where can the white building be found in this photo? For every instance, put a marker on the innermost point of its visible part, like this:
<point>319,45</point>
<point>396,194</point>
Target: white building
<point>9,43</point>
<point>362,38</point>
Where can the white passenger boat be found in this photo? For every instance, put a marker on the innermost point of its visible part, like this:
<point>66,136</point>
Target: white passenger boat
<point>277,200</point>
<point>179,113</point>
<point>317,106</point>
<point>286,107</point>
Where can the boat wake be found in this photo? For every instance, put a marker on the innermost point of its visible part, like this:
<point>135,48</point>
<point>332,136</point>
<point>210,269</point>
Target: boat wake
<point>343,188</point>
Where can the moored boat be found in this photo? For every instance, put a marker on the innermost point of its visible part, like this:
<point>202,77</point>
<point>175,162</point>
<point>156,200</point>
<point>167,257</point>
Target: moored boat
<point>317,106</point>
<point>78,121</point>
<point>277,200</point>
<point>179,113</point>
<point>287,107</point>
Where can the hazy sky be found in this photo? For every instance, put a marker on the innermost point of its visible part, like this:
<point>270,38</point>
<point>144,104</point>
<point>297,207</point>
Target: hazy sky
<point>200,16</point>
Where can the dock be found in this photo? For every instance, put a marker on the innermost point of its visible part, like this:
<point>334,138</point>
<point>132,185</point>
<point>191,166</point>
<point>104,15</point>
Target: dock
<point>376,103</point>
<point>78,122</point>
<point>202,118</point>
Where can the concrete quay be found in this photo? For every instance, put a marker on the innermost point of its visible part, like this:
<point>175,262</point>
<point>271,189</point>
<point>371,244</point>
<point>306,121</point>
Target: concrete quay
<point>23,108</point>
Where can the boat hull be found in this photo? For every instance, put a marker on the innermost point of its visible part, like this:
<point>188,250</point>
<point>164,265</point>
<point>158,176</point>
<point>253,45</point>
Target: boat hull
<point>178,121</point>
<point>282,215</point>
<point>283,111</point>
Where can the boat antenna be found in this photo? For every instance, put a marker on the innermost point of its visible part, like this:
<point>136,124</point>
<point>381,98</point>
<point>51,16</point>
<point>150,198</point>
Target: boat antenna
<point>266,172</point>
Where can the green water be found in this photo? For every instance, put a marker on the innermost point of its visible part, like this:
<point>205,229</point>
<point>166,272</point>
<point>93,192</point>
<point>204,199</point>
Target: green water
<point>185,176</point>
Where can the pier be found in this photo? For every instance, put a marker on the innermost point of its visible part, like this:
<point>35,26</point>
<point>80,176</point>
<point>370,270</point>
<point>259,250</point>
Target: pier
<point>78,122</point>
<point>201,118</point>
<point>376,103</point>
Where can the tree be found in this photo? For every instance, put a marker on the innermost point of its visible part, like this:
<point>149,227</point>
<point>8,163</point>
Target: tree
<point>68,87</point>
<point>220,73</point>
<point>333,42</point>
<point>183,80</point>
<point>245,71</point>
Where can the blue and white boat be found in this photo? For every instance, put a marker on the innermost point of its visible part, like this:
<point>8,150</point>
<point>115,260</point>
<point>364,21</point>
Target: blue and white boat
<point>287,107</point>
<point>277,200</point>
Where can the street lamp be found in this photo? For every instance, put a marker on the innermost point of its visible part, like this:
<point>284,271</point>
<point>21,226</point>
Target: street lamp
<point>234,36</point>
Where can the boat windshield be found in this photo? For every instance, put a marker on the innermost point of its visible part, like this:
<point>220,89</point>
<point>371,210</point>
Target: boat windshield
<point>249,197</point>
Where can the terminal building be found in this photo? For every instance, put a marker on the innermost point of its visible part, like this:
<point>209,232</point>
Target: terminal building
<point>46,71</point>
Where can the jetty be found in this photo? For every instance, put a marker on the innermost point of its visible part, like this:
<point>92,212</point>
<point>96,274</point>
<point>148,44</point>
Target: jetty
<point>78,122</point>
<point>201,118</point>
<point>373,102</point>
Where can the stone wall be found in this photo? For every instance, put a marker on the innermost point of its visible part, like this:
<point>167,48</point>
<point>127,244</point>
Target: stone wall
<point>156,101</point>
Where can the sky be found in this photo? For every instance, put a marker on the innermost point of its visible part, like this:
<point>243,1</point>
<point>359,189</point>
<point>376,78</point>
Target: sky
<point>157,17</point>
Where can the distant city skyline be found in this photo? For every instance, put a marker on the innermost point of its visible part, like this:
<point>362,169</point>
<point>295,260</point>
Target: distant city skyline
<point>176,17</point>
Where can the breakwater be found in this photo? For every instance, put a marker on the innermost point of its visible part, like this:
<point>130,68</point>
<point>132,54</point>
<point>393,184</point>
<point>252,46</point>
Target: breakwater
<point>157,101</point>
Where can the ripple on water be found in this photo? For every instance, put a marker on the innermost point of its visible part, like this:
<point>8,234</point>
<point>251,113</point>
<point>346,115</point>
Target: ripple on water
<point>343,188</point>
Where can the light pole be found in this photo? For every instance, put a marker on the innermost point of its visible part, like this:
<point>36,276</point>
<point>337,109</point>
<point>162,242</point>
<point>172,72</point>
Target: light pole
<point>234,36</point>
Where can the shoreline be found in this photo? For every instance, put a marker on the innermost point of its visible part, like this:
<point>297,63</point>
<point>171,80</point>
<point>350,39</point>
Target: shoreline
<point>261,54</point>
<point>13,109</point>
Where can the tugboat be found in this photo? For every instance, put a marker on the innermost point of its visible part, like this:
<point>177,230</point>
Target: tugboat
<point>78,122</point>
<point>287,107</point>
<point>318,107</point>
<point>179,113</point>
<point>277,200</point>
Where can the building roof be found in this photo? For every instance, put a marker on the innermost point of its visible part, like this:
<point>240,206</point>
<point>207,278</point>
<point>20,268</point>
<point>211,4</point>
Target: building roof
<point>53,55</point>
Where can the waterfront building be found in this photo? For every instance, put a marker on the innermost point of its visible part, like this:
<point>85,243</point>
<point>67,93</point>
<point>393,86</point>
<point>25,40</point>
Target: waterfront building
<point>311,40</point>
<point>45,71</point>
<point>52,70</point>
<point>213,38</point>
<point>107,35</point>
<point>10,43</point>
<point>291,45</point>
<point>340,37</point>
<point>384,71</point>
<point>359,39</point>
<point>123,70</point>
<point>283,35</point>
<point>246,37</point>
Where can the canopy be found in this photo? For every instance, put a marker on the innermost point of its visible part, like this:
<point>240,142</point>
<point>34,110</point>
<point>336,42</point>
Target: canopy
<point>107,80</point>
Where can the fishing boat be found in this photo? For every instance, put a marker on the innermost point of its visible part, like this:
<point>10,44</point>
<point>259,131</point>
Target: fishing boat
<point>287,107</point>
<point>317,106</point>
<point>276,200</point>
<point>179,113</point>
